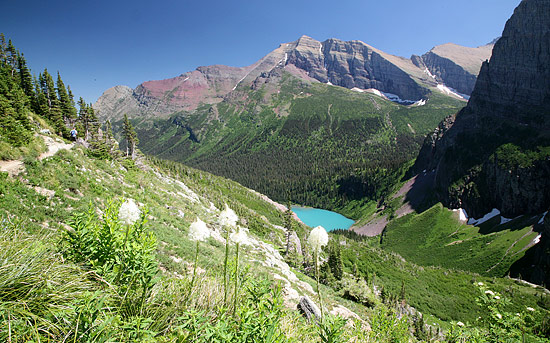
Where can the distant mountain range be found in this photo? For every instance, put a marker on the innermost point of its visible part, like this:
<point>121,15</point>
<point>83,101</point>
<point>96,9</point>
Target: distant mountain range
<point>325,124</point>
<point>354,65</point>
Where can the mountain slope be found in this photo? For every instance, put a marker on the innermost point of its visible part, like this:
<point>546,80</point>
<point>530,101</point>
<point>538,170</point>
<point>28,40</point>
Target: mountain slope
<point>258,124</point>
<point>496,152</point>
<point>351,64</point>
<point>454,65</point>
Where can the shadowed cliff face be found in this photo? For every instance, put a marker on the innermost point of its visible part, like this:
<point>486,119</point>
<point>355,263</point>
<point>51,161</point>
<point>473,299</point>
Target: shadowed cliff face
<point>495,154</point>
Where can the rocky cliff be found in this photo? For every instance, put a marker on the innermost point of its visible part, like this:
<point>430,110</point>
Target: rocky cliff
<point>495,153</point>
<point>454,65</point>
<point>353,65</point>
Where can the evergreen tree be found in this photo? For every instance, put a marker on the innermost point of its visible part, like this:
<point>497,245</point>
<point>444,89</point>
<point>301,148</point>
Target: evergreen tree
<point>131,137</point>
<point>12,57</point>
<point>288,226</point>
<point>65,104</point>
<point>25,77</point>
<point>335,261</point>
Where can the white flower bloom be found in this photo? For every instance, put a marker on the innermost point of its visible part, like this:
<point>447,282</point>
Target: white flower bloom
<point>460,323</point>
<point>240,236</point>
<point>318,238</point>
<point>198,231</point>
<point>228,217</point>
<point>489,292</point>
<point>530,309</point>
<point>499,316</point>
<point>517,314</point>
<point>480,283</point>
<point>497,297</point>
<point>129,212</point>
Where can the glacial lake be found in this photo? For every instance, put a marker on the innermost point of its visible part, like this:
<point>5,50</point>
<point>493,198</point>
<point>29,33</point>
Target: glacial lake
<point>329,220</point>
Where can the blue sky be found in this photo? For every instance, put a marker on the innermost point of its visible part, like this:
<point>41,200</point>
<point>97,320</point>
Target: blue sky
<point>99,44</point>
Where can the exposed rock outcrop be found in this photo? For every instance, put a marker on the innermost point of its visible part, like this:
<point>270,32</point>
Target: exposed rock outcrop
<point>352,64</point>
<point>454,65</point>
<point>488,156</point>
<point>307,307</point>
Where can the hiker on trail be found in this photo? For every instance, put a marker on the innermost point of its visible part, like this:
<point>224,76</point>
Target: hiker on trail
<point>73,134</point>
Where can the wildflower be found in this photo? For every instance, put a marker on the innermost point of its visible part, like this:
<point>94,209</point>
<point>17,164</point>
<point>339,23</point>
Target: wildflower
<point>318,238</point>
<point>228,217</point>
<point>530,309</point>
<point>129,212</point>
<point>499,316</point>
<point>489,292</point>
<point>517,314</point>
<point>240,236</point>
<point>480,283</point>
<point>198,231</point>
<point>460,323</point>
<point>497,297</point>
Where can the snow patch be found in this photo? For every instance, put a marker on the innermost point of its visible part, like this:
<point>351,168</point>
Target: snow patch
<point>376,92</point>
<point>397,99</point>
<point>537,239</point>
<point>329,83</point>
<point>542,218</point>
<point>241,80</point>
<point>427,71</point>
<point>355,89</point>
<point>420,102</point>
<point>462,215</point>
<point>485,218</point>
<point>187,78</point>
<point>320,49</point>
<point>449,91</point>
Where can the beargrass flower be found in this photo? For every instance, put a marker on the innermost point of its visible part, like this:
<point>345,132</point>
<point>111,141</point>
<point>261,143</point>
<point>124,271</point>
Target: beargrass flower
<point>198,231</point>
<point>530,309</point>
<point>489,292</point>
<point>318,238</point>
<point>460,323</point>
<point>480,283</point>
<point>499,316</point>
<point>228,217</point>
<point>497,297</point>
<point>129,212</point>
<point>240,236</point>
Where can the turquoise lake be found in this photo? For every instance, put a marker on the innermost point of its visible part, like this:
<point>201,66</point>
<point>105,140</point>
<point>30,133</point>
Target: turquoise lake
<point>329,220</point>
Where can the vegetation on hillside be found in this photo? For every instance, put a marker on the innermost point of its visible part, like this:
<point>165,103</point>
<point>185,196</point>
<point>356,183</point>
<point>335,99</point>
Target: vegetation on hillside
<point>315,144</point>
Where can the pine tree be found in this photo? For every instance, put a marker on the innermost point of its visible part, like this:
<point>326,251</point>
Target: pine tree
<point>68,110</point>
<point>335,261</point>
<point>288,226</point>
<point>12,57</point>
<point>131,137</point>
<point>25,77</point>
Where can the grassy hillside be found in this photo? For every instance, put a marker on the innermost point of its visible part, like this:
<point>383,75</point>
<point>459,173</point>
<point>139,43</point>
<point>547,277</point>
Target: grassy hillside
<point>39,211</point>
<point>313,144</point>
<point>437,238</point>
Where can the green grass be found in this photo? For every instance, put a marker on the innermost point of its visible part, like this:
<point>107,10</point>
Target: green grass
<point>437,238</point>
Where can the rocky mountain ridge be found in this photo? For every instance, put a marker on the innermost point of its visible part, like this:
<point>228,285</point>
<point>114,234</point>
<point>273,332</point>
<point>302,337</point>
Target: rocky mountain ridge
<point>492,154</point>
<point>495,153</point>
<point>353,65</point>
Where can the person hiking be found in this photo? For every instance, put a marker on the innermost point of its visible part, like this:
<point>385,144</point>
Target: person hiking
<point>73,134</point>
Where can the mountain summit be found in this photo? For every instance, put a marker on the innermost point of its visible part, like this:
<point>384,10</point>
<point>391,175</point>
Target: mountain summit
<point>354,65</point>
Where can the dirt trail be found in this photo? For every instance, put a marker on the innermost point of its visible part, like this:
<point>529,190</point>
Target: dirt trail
<point>15,167</point>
